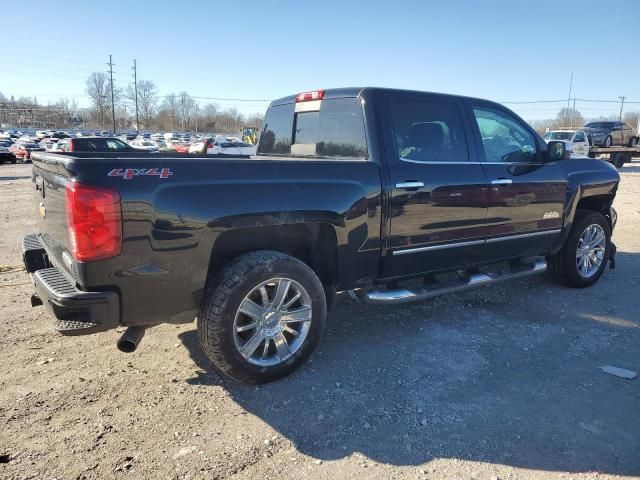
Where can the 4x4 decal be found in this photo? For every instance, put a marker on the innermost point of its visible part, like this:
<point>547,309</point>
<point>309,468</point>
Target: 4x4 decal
<point>129,173</point>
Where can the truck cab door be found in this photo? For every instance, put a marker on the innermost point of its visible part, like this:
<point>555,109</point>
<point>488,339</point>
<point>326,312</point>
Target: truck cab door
<point>438,203</point>
<point>580,144</point>
<point>526,195</point>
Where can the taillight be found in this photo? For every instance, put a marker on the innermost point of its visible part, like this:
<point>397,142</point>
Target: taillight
<point>309,96</point>
<point>94,222</point>
<point>71,145</point>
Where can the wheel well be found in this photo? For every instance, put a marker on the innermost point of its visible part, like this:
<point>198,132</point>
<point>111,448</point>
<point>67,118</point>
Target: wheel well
<point>596,203</point>
<point>313,243</point>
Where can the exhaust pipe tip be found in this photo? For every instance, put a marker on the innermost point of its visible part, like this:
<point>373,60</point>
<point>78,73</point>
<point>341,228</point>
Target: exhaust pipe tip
<point>130,339</point>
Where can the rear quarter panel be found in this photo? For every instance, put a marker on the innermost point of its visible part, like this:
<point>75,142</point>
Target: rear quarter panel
<point>170,225</point>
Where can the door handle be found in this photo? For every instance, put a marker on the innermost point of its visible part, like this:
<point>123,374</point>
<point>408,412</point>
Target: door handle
<point>409,185</point>
<point>501,181</point>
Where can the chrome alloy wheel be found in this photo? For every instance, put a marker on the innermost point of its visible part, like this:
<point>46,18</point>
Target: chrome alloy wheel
<point>272,322</point>
<point>590,251</point>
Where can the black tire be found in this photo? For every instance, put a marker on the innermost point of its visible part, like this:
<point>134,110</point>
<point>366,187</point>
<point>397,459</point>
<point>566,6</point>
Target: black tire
<point>633,142</point>
<point>618,159</point>
<point>563,267</point>
<point>223,296</point>
<point>607,142</point>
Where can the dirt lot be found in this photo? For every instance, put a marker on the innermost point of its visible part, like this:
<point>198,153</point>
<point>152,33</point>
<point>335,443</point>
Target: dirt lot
<point>498,383</point>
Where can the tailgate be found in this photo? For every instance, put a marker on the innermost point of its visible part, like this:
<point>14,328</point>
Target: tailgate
<point>50,177</point>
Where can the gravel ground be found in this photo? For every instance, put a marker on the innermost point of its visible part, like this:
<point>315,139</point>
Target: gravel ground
<point>502,382</point>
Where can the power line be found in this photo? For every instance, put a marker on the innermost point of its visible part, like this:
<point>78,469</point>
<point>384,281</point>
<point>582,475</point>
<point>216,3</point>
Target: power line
<point>43,74</point>
<point>45,66</point>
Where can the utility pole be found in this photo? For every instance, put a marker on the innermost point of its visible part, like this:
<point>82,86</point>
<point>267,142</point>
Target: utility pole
<point>113,104</point>
<point>196,118</point>
<point>182,110</point>
<point>621,105</point>
<point>104,99</point>
<point>573,112</point>
<point>124,123</point>
<point>135,88</point>
<point>570,85</point>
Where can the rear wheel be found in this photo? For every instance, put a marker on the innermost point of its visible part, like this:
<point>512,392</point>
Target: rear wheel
<point>585,253</point>
<point>262,316</point>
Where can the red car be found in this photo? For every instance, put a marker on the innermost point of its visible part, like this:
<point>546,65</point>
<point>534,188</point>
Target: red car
<point>22,150</point>
<point>181,147</point>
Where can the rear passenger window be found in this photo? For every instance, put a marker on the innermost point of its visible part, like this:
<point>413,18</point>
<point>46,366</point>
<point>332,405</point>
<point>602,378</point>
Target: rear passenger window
<point>275,138</point>
<point>428,131</point>
<point>336,130</point>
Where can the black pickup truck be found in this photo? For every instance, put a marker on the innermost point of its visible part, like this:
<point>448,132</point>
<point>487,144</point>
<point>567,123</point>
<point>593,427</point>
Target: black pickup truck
<point>390,195</point>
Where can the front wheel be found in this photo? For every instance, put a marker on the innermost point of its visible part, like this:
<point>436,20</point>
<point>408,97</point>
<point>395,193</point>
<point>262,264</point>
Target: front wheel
<point>262,316</point>
<point>607,142</point>
<point>583,258</point>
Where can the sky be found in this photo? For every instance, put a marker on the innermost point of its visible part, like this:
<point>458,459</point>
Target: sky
<point>506,51</point>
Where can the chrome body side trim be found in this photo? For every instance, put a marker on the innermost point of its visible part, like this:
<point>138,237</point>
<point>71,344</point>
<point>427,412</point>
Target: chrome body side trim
<point>438,247</point>
<point>523,235</point>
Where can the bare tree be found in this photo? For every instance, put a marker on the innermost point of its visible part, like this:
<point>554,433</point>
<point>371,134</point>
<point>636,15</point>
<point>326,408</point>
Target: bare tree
<point>171,106</point>
<point>569,117</point>
<point>633,119</point>
<point>147,100</point>
<point>98,87</point>
<point>187,107</point>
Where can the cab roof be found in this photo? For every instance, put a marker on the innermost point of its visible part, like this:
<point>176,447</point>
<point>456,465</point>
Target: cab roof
<point>357,91</point>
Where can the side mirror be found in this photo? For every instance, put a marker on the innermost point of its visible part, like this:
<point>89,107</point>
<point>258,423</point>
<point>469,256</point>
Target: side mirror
<point>557,150</point>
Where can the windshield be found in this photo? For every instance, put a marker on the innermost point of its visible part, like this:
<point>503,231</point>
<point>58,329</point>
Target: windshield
<point>558,135</point>
<point>600,124</point>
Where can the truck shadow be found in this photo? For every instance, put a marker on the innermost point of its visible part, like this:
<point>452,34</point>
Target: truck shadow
<point>485,375</point>
<point>6,178</point>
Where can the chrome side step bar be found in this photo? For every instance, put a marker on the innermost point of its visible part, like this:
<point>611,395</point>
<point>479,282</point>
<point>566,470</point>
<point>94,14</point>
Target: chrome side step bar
<point>475,280</point>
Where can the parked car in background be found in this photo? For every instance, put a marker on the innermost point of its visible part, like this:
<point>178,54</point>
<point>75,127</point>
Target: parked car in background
<point>181,147</point>
<point>5,154</point>
<point>576,140</point>
<point>232,146</point>
<point>53,147</point>
<point>607,134</point>
<point>47,142</point>
<point>163,147</point>
<point>171,144</point>
<point>94,144</point>
<point>128,136</point>
<point>146,145</point>
<point>221,145</point>
<point>22,150</point>
<point>202,145</point>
